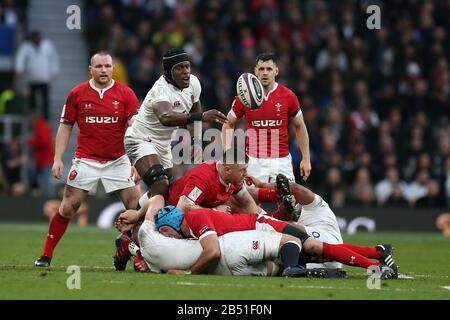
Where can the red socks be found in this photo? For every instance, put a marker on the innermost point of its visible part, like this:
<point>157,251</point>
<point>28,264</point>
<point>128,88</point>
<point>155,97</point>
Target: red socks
<point>266,195</point>
<point>339,252</point>
<point>58,226</point>
<point>368,252</point>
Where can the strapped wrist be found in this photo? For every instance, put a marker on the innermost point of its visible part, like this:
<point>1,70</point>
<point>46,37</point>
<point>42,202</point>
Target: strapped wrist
<point>196,116</point>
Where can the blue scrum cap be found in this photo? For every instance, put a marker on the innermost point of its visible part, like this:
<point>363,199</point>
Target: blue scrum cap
<point>170,216</point>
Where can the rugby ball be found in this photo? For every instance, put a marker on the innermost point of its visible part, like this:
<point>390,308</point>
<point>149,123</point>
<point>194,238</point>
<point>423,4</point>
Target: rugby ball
<point>250,90</point>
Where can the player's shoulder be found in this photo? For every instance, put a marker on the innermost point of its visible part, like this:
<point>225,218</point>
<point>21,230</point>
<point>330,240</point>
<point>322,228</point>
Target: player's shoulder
<point>207,168</point>
<point>161,85</point>
<point>194,80</point>
<point>194,84</point>
<point>122,88</point>
<point>285,90</point>
<point>81,87</point>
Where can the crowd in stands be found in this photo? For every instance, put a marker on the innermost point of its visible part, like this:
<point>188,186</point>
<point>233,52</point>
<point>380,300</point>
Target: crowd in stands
<point>376,102</point>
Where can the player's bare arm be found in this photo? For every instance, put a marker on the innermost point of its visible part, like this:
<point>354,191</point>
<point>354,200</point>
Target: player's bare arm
<point>303,141</point>
<point>130,218</point>
<point>61,143</point>
<point>228,131</point>
<point>210,255</point>
<point>243,202</point>
<point>169,118</point>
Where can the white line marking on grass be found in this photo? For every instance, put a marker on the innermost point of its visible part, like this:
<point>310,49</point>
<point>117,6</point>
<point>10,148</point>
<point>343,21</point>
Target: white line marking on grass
<point>446,287</point>
<point>292,287</point>
<point>54,268</point>
<point>430,276</point>
<point>184,283</point>
<point>404,276</point>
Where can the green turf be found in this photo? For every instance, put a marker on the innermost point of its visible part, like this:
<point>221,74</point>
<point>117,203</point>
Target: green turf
<point>423,257</point>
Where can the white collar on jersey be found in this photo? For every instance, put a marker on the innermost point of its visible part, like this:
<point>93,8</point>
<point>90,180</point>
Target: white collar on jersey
<point>268,94</point>
<point>102,91</point>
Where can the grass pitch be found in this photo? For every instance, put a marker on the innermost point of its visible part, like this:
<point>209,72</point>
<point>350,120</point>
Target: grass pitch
<point>424,260</point>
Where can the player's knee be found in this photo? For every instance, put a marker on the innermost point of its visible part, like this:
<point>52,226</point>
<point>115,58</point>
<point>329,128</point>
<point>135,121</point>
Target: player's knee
<point>313,247</point>
<point>155,174</point>
<point>68,208</point>
<point>296,232</point>
<point>161,187</point>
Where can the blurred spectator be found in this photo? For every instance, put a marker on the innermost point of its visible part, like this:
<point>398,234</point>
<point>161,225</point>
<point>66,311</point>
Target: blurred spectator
<point>42,145</point>
<point>13,13</point>
<point>396,198</point>
<point>334,188</point>
<point>362,192</point>
<point>38,61</point>
<point>13,162</point>
<point>443,224</point>
<point>385,188</point>
<point>423,190</point>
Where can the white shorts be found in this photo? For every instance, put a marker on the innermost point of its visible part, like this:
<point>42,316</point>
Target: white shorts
<point>266,169</point>
<point>138,145</point>
<point>114,175</point>
<point>243,249</point>
<point>320,223</point>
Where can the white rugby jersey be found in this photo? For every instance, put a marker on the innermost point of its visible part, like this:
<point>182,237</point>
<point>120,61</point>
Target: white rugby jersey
<point>181,101</point>
<point>162,253</point>
<point>318,214</point>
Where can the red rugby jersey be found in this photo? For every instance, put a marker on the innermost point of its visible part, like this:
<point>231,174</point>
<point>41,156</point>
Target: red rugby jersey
<point>203,186</point>
<point>268,126</point>
<point>203,222</point>
<point>102,116</point>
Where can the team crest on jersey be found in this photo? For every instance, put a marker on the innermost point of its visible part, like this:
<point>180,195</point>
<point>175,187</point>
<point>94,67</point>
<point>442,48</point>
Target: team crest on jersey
<point>88,106</point>
<point>255,244</point>
<point>73,174</point>
<point>278,105</point>
<point>176,104</point>
<point>116,103</point>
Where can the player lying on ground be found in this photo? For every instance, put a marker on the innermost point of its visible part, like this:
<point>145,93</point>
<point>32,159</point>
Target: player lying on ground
<point>319,221</point>
<point>238,253</point>
<point>341,252</point>
<point>209,224</point>
<point>208,185</point>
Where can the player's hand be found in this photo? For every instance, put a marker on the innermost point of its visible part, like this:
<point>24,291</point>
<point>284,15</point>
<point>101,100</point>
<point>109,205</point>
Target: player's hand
<point>249,180</point>
<point>57,169</point>
<point>214,116</point>
<point>305,169</point>
<point>223,208</point>
<point>126,220</point>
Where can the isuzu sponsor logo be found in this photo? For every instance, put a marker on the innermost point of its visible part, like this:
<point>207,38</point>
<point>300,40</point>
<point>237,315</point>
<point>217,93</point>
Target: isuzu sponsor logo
<point>93,119</point>
<point>267,123</point>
